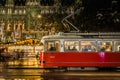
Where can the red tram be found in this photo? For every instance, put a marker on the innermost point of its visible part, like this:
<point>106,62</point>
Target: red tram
<point>81,50</point>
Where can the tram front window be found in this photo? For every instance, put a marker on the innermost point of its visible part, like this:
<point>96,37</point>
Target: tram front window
<point>52,46</point>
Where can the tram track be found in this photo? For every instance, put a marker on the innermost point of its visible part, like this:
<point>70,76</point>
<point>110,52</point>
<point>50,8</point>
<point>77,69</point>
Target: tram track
<point>60,75</point>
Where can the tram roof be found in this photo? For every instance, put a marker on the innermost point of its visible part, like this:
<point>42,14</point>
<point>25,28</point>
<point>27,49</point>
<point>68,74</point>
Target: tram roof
<point>84,36</point>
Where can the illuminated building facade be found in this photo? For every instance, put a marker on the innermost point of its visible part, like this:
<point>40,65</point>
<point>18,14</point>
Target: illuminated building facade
<point>25,19</point>
<point>32,18</point>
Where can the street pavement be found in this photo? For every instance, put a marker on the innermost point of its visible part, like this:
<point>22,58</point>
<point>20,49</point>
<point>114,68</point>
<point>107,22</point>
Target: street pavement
<point>33,72</point>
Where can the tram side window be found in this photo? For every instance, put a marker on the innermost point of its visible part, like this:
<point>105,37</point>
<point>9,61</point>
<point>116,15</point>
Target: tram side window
<point>88,46</point>
<point>71,45</point>
<point>105,46</point>
<point>52,46</point>
<point>117,46</point>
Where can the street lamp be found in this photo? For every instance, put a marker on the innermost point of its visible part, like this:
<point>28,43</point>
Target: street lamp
<point>39,22</point>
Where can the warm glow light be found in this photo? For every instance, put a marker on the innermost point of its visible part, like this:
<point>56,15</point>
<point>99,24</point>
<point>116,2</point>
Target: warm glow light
<point>39,16</point>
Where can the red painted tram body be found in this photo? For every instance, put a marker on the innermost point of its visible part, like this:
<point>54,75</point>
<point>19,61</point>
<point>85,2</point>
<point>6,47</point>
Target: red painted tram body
<point>81,50</point>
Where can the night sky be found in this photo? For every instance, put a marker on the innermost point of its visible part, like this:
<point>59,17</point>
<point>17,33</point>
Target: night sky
<point>99,15</point>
